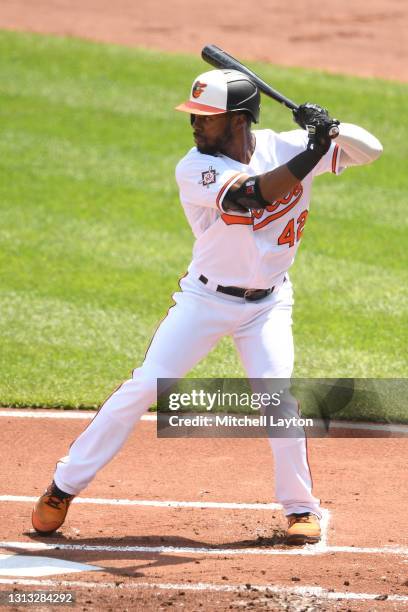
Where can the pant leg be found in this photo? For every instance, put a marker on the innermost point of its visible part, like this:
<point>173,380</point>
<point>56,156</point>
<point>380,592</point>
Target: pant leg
<point>190,330</point>
<point>265,345</point>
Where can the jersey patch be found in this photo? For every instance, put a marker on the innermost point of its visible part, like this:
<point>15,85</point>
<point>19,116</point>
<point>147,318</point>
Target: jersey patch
<point>208,177</point>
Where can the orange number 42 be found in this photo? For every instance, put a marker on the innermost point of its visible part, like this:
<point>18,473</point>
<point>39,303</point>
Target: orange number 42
<point>292,234</point>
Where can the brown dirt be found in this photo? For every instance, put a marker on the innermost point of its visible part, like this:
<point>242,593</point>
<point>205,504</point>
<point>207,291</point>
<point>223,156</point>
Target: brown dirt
<point>359,481</point>
<point>366,39</point>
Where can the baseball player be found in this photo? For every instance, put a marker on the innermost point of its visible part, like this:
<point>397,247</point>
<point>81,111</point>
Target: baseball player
<point>246,195</point>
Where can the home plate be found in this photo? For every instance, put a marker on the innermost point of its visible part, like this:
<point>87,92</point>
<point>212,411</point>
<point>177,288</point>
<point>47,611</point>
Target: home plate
<point>25,565</point>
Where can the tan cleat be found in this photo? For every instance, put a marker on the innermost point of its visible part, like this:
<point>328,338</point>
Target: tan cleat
<point>50,510</point>
<point>303,529</point>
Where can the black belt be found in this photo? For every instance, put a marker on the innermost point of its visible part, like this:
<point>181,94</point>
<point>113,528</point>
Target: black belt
<point>252,295</point>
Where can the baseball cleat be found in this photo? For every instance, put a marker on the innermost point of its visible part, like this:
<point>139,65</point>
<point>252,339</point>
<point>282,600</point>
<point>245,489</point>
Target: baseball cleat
<point>50,510</point>
<point>303,528</point>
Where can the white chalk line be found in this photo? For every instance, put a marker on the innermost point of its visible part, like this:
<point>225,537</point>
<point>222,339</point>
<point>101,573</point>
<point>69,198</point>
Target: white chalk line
<point>310,549</point>
<point>302,591</point>
<point>183,504</point>
<point>88,415</point>
<point>386,428</point>
<point>59,414</point>
<point>324,527</point>
<point>152,503</point>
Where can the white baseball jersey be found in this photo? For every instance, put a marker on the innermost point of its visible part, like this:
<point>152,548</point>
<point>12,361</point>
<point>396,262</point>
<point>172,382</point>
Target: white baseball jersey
<point>252,249</point>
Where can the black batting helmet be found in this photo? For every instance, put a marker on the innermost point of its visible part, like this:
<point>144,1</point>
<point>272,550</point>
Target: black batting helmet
<point>219,91</point>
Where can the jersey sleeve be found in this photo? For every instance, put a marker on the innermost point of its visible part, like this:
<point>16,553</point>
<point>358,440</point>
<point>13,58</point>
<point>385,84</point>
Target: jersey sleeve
<point>330,162</point>
<point>203,180</point>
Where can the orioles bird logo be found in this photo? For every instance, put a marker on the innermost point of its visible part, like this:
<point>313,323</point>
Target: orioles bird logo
<point>198,89</point>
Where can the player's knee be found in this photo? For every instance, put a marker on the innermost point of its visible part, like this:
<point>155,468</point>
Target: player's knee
<point>143,384</point>
<point>131,399</point>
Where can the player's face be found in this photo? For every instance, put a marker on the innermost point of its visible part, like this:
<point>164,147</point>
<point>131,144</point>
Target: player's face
<point>212,133</point>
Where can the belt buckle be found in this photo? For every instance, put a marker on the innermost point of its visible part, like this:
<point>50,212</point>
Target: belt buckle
<point>250,292</point>
<point>253,295</point>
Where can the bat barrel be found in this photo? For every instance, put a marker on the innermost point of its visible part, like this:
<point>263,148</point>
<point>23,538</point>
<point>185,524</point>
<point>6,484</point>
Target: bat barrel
<point>219,58</point>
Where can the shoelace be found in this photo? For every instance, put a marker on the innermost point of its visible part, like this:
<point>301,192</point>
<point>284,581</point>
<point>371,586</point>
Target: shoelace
<point>54,501</point>
<point>300,519</point>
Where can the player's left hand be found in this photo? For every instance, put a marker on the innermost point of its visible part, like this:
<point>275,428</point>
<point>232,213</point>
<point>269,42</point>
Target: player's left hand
<point>319,138</point>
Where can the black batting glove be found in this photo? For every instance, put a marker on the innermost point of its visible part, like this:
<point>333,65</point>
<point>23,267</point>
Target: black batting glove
<point>310,114</point>
<point>319,139</point>
<point>320,127</point>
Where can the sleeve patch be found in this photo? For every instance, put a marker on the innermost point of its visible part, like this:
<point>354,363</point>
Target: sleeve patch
<point>208,177</point>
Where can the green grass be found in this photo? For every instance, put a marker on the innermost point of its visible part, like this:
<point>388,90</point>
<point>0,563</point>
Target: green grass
<point>355,399</point>
<point>93,238</point>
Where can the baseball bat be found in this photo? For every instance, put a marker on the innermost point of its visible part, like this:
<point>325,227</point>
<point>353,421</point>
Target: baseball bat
<point>219,58</point>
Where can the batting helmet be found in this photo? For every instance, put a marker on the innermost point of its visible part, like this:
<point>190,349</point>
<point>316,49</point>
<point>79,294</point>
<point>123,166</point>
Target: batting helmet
<point>218,91</point>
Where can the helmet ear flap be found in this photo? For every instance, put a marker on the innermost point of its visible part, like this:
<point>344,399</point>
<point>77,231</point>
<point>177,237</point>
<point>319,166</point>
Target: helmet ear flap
<point>243,95</point>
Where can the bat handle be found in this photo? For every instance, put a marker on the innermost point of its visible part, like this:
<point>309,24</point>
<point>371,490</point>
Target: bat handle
<point>334,131</point>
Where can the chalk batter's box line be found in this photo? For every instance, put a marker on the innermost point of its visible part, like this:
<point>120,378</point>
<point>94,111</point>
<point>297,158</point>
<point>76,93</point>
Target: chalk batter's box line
<point>152,503</point>
<point>308,550</point>
<point>304,591</point>
<point>179,504</point>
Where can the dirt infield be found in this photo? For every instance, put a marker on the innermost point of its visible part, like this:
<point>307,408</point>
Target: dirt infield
<point>366,39</point>
<point>157,549</point>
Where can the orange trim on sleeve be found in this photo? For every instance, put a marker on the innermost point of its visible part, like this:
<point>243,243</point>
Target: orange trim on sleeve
<point>334,158</point>
<point>225,187</point>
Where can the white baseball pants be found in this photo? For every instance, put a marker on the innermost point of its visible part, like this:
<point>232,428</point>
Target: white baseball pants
<point>262,332</point>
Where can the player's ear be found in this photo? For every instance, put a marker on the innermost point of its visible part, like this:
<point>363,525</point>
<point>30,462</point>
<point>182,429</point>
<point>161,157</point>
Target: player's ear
<point>240,119</point>
<point>192,119</point>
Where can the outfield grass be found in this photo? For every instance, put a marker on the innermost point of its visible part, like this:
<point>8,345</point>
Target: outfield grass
<point>93,237</point>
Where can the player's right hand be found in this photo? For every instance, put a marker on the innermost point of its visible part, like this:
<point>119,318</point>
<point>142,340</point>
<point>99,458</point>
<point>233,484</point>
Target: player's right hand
<point>320,127</point>
<point>310,114</point>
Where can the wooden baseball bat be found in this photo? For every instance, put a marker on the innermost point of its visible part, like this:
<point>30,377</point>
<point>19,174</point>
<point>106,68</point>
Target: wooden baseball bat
<point>221,59</point>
